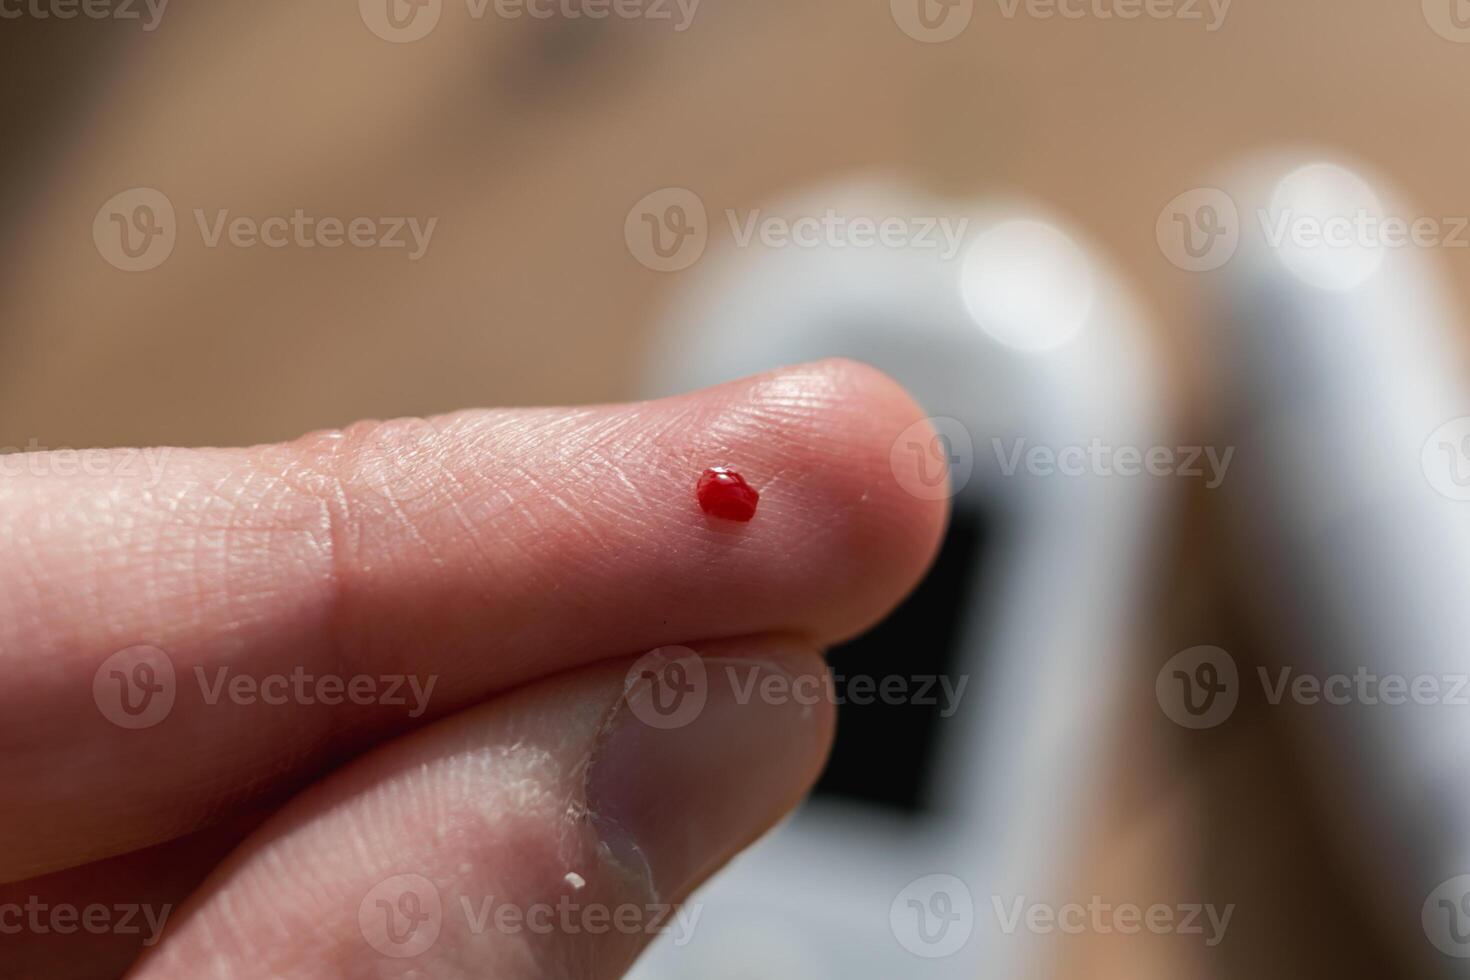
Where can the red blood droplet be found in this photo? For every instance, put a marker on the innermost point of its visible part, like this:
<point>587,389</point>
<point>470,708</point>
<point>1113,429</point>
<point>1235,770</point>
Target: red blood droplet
<point>723,493</point>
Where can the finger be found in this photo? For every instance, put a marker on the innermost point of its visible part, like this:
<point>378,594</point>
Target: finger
<point>93,921</point>
<point>404,571</point>
<point>547,834</point>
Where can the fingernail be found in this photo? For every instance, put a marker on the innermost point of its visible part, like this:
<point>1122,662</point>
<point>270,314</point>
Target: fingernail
<point>701,756</point>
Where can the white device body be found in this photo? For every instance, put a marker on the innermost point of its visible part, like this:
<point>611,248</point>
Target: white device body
<point>1349,500</point>
<point>1024,335</point>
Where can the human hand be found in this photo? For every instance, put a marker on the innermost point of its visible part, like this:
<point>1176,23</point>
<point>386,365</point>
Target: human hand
<point>506,568</point>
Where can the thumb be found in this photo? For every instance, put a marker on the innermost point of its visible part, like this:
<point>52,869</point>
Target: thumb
<point>549,833</point>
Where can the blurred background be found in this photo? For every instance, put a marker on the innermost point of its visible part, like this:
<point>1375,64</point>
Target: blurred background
<point>529,143</point>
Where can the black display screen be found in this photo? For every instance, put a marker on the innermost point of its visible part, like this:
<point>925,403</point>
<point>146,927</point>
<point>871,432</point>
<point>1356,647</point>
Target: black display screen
<point>884,753</point>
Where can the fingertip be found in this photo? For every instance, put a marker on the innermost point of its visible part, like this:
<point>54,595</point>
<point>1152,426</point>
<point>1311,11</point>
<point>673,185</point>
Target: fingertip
<point>844,518</point>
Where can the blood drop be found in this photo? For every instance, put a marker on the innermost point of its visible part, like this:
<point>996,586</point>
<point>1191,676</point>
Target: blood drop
<point>724,494</point>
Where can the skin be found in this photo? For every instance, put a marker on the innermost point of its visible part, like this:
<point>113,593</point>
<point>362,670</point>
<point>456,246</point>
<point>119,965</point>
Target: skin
<point>523,560</point>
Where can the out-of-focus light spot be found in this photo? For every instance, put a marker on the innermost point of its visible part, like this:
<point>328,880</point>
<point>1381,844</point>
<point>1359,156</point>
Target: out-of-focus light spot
<point>1028,285</point>
<point>1327,227</point>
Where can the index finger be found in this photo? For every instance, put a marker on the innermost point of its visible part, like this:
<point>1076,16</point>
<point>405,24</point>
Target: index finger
<point>468,554</point>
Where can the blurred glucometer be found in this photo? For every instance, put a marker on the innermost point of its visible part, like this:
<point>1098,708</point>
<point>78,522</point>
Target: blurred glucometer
<point>967,789</point>
<point>1350,519</point>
